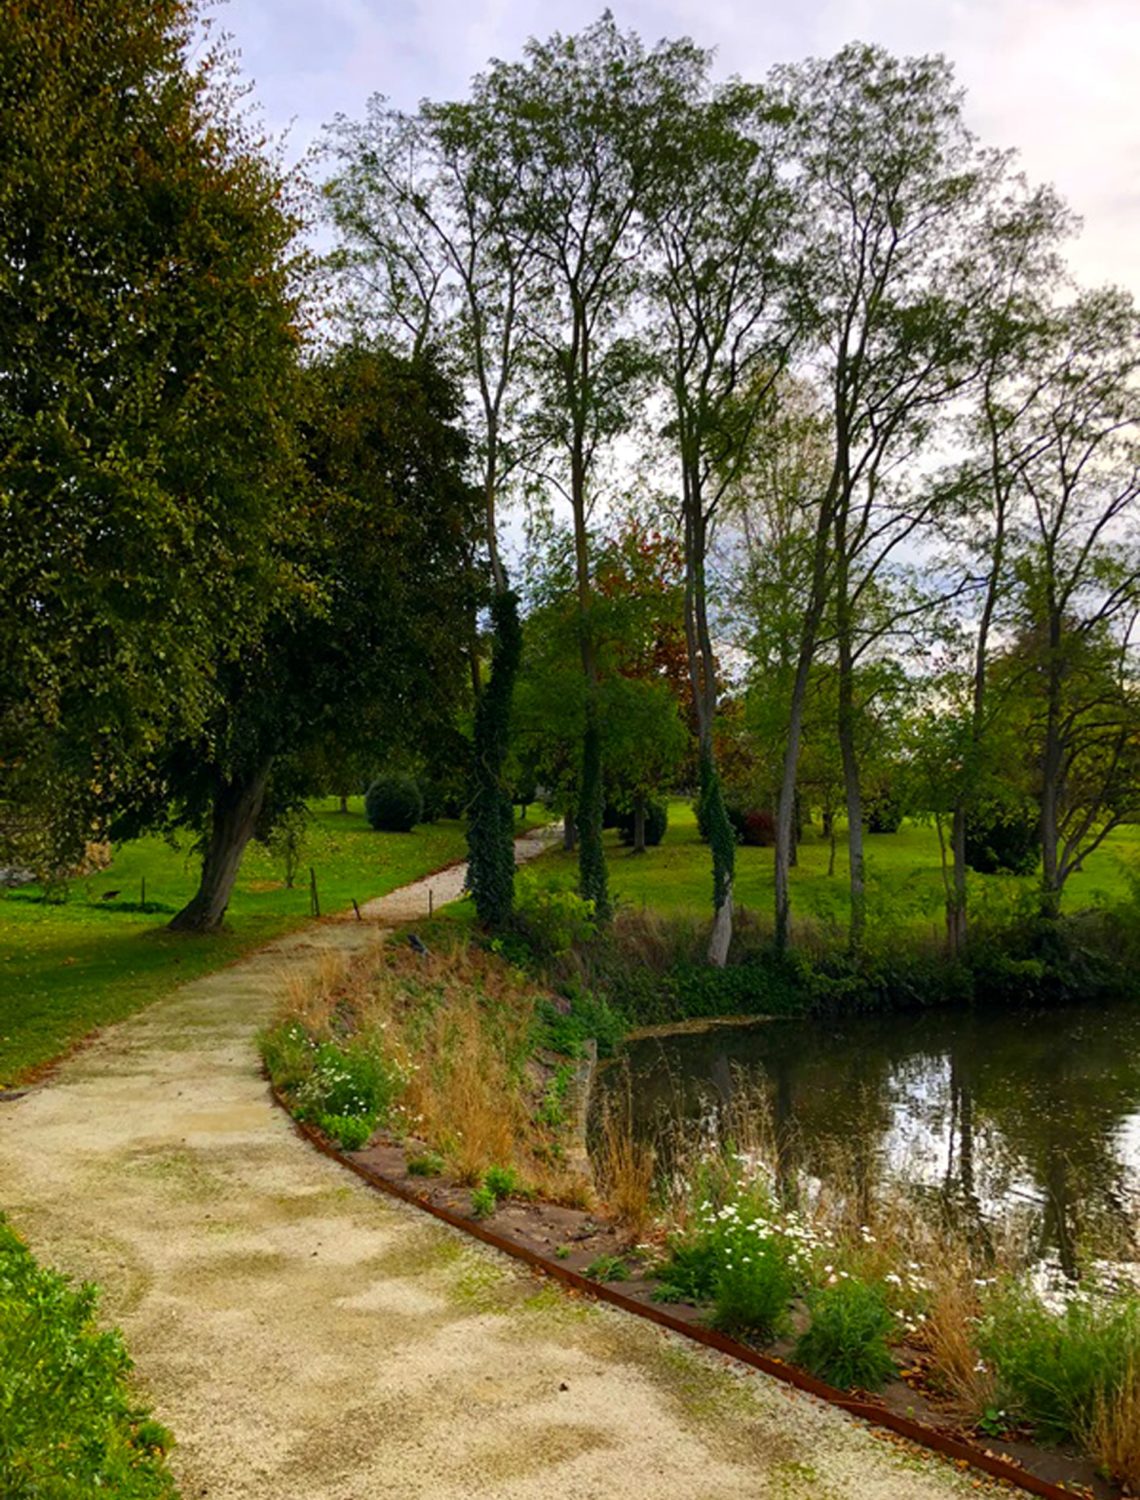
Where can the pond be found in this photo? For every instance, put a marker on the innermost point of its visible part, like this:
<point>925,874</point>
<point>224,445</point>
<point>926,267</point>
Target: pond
<point>992,1113</point>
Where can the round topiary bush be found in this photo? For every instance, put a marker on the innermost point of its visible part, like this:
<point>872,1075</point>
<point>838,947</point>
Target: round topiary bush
<point>656,822</point>
<point>882,811</point>
<point>394,804</point>
<point>1002,840</point>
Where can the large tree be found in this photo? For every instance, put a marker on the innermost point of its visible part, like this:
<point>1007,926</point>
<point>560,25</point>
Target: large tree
<point>722,220</point>
<point>897,195</point>
<point>588,117</point>
<point>431,252</point>
<point>368,655</point>
<point>147,370</point>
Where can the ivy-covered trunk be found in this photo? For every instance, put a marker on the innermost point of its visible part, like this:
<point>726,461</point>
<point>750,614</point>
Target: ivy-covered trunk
<point>490,826</point>
<point>593,877</point>
<point>722,841</point>
<point>237,805</point>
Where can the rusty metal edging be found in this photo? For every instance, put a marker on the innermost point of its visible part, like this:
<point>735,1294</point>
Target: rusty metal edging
<point>867,1411</point>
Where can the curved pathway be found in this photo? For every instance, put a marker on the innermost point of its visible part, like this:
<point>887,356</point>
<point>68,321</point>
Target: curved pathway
<point>308,1339</point>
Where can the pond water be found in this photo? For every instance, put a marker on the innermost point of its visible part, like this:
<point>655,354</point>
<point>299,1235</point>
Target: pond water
<point>992,1113</point>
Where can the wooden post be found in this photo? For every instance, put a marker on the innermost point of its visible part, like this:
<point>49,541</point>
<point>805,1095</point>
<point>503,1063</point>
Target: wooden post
<point>356,909</point>
<point>314,899</point>
<point>431,900</point>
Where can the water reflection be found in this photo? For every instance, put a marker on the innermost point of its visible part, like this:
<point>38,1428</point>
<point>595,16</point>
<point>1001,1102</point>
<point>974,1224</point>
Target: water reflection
<point>1030,1114</point>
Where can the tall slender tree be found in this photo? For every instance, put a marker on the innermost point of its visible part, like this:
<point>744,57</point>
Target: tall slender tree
<point>723,225</point>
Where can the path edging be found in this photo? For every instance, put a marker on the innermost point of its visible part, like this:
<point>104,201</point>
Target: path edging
<point>866,1410</point>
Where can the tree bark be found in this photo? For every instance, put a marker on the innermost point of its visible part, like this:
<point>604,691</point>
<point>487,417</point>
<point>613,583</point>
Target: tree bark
<point>639,825</point>
<point>237,805</point>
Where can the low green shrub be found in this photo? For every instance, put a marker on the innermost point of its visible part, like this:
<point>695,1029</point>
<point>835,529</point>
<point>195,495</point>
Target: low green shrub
<point>1003,839</point>
<point>351,1080</point>
<point>483,1202</point>
<point>745,1257</point>
<point>504,1182</point>
<point>586,1016</point>
<point>69,1428</point>
<point>548,919</point>
<point>427,1164</point>
<point>394,804</point>
<point>608,1268</point>
<point>846,1343</point>
<point>350,1132</point>
<point>1053,1368</point>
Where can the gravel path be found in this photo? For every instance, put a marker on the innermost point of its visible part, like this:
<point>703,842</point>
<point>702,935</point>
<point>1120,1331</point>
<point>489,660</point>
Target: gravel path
<point>308,1339</point>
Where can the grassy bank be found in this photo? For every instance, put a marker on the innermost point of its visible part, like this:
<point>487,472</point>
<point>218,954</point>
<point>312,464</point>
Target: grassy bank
<point>70,1426</point>
<point>103,954</point>
<point>455,1052</point>
<point>904,883</point>
<point>461,1058</point>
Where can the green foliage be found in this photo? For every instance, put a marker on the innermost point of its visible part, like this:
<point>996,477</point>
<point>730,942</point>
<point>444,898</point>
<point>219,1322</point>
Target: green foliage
<point>69,1428</point>
<point>483,1202</point>
<point>585,1015</point>
<point>490,827</point>
<point>285,842</point>
<point>504,1182</point>
<point>608,1268</point>
<point>744,1257</point>
<point>882,810</point>
<point>1001,839</point>
<point>1053,1367</point>
<point>427,1164</point>
<point>331,1081</point>
<point>656,822</point>
<point>148,344</point>
<point>394,804</point>
<point>550,919</point>
<point>846,1343</point>
<point>350,1132</point>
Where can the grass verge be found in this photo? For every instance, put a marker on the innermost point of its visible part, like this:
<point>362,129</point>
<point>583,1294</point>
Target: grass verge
<point>70,1427</point>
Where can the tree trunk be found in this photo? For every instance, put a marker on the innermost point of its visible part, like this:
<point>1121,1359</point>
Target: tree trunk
<point>702,677</point>
<point>235,813</point>
<point>956,910</point>
<point>853,795</point>
<point>490,822</point>
<point>1051,881</point>
<point>639,825</point>
<point>344,802</point>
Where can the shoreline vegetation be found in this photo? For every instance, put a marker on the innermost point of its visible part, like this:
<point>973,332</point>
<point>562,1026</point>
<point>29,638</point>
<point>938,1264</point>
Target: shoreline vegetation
<point>489,1032</point>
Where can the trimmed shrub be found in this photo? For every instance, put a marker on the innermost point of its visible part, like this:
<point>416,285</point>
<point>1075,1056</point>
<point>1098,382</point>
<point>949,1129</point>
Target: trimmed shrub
<point>394,804</point>
<point>656,822</point>
<point>1002,840</point>
<point>846,1344</point>
<point>882,811</point>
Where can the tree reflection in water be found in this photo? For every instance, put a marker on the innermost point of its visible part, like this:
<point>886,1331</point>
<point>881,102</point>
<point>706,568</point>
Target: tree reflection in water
<point>990,1116</point>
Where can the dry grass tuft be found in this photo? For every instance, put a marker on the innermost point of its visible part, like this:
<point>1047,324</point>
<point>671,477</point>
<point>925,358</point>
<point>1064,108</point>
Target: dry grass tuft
<point>459,1023</point>
<point>625,1169</point>
<point>1113,1435</point>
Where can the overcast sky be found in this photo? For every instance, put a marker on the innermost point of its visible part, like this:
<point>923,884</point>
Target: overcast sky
<point>1058,79</point>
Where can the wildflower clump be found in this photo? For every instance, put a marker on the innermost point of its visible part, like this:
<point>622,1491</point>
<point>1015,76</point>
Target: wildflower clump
<point>846,1343</point>
<point>746,1257</point>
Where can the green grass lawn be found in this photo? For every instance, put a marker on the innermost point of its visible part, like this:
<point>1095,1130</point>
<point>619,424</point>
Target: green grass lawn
<point>903,876</point>
<point>67,969</point>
